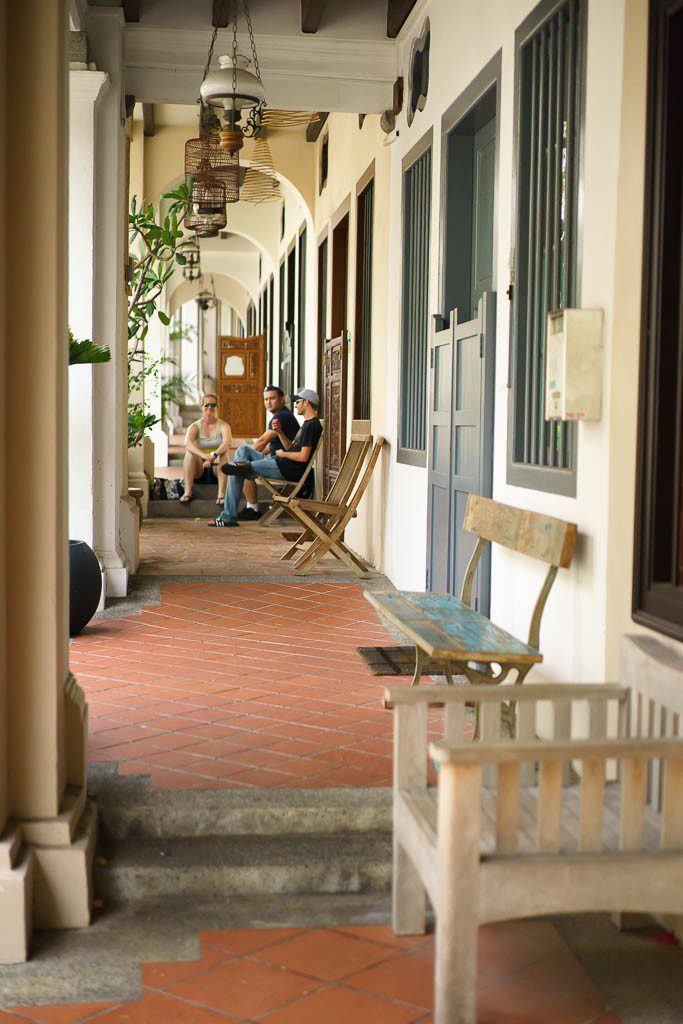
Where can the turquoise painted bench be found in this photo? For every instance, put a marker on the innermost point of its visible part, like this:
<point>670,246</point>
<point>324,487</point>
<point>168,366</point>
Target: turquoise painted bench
<point>447,630</point>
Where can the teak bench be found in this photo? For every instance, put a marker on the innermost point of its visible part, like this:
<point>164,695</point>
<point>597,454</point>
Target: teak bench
<point>447,630</point>
<point>556,846</point>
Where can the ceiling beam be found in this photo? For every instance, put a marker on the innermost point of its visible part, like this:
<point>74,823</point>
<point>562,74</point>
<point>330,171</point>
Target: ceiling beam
<point>131,10</point>
<point>148,126</point>
<point>220,14</point>
<point>311,14</point>
<point>397,13</point>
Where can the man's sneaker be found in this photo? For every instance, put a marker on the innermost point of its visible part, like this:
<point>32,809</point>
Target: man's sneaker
<point>236,469</point>
<point>223,522</point>
<point>249,515</point>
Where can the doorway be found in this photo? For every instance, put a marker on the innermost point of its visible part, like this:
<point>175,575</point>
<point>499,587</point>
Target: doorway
<point>335,359</point>
<point>462,347</point>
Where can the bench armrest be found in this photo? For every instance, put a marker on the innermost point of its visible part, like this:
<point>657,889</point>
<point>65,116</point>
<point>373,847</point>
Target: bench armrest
<point>514,751</point>
<point>437,697</point>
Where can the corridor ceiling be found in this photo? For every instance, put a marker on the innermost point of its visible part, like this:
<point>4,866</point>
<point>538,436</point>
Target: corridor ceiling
<point>335,55</point>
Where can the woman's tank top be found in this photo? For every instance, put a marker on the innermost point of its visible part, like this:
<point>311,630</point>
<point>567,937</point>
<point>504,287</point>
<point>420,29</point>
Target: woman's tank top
<point>206,443</point>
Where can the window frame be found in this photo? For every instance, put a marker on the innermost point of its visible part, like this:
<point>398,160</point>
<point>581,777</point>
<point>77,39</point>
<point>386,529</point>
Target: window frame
<point>520,474</point>
<point>656,605</point>
<point>414,456</point>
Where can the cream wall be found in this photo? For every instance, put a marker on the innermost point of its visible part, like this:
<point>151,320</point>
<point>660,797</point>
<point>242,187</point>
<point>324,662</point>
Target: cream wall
<point>353,151</point>
<point>590,604</point>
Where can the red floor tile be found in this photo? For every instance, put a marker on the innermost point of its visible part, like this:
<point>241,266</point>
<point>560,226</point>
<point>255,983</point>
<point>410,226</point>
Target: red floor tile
<point>326,954</point>
<point>244,988</point>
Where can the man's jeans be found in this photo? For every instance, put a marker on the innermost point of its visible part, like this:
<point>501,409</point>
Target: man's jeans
<point>261,465</point>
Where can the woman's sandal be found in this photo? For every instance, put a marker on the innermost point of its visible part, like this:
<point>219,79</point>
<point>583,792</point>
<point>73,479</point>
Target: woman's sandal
<point>186,499</point>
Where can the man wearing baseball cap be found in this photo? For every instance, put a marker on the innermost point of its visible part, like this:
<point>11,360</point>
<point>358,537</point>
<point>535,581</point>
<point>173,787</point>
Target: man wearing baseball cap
<point>287,464</point>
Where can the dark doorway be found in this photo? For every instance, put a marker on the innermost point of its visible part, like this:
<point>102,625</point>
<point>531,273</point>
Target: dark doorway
<point>462,357</point>
<point>340,262</point>
<point>363,337</point>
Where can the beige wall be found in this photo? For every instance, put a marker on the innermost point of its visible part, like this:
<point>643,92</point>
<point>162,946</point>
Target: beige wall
<point>352,152</point>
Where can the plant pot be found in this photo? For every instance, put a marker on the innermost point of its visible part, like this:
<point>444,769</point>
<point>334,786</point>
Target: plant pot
<point>85,587</point>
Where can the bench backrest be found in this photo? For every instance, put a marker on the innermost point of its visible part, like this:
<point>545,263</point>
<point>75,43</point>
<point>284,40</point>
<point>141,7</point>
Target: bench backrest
<point>350,468</point>
<point>538,536</point>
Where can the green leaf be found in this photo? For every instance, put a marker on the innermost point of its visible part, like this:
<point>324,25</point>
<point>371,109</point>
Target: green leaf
<point>87,352</point>
<point>164,318</point>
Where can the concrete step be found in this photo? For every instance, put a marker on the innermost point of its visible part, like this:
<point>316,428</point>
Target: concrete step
<point>210,867</point>
<point>183,510</point>
<point>130,808</point>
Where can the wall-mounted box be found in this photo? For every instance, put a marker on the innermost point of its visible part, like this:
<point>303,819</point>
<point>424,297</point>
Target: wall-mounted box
<point>573,382</point>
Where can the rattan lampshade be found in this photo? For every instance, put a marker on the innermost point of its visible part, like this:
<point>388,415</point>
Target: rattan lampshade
<point>260,182</point>
<point>206,161</point>
<point>273,117</point>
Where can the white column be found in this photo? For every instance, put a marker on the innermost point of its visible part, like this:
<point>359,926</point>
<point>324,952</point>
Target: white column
<point>85,88</point>
<point>116,532</point>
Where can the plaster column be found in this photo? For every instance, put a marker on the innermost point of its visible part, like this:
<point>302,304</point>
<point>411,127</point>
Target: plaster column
<point>85,88</point>
<point>116,521</point>
<point>47,827</point>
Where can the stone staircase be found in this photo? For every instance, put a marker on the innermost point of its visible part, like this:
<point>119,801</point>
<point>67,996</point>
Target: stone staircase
<point>171,864</point>
<point>212,844</point>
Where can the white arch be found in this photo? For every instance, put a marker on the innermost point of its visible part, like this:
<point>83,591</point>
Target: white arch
<point>227,290</point>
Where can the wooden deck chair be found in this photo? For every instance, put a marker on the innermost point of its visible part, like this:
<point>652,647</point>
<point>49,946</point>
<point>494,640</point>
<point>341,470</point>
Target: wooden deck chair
<point>328,538</point>
<point>287,488</point>
<point>349,471</point>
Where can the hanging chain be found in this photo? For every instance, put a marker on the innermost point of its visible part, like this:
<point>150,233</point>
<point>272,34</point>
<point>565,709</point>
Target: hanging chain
<point>234,48</point>
<point>247,17</point>
<point>210,55</point>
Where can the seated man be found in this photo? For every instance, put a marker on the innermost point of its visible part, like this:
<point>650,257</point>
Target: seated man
<point>267,444</point>
<point>287,464</point>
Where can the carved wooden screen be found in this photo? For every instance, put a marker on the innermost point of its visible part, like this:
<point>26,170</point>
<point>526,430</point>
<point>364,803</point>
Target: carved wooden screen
<point>241,380</point>
<point>335,377</point>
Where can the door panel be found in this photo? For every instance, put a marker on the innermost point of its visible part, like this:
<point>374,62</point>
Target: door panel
<point>241,380</point>
<point>440,450</point>
<point>462,361</point>
<point>335,390</point>
<point>483,183</point>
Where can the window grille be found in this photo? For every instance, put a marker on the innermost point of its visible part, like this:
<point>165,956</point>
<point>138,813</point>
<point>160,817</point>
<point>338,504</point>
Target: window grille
<point>415,323</point>
<point>301,315</point>
<point>363,339</point>
<point>549,68</point>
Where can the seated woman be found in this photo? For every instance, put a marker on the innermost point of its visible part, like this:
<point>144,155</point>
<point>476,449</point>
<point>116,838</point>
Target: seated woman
<point>207,445</point>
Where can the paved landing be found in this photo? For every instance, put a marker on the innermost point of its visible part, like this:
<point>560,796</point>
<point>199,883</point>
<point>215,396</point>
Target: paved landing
<point>189,547</point>
<point>239,684</point>
<point>527,975</point>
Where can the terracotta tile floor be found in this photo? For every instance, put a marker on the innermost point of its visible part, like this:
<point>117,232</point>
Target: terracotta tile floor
<point>189,547</point>
<point>364,975</point>
<point>230,685</point>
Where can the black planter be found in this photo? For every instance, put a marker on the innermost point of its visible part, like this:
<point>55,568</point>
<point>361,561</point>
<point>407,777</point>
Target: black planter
<point>85,586</point>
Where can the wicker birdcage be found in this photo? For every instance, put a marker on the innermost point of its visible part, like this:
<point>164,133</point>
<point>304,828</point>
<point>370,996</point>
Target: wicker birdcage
<point>208,208</point>
<point>275,118</point>
<point>260,183</point>
<point>208,195</point>
<point>206,161</point>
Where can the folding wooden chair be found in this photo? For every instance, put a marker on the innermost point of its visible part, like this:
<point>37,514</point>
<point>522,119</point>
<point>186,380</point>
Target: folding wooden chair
<point>328,534</point>
<point>349,472</point>
<point>286,488</point>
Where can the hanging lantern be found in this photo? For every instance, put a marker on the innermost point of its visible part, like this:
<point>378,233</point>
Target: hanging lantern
<point>205,160</point>
<point>192,269</point>
<point>234,91</point>
<point>207,299</point>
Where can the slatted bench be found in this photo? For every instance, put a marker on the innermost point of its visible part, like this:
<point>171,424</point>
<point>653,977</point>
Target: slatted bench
<point>447,630</point>
<point>564,840</point>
